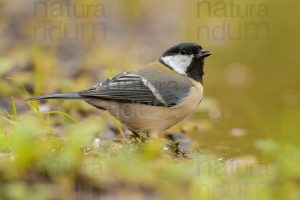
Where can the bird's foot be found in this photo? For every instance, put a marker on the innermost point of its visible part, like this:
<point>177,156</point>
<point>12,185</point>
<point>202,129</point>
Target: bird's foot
<point>135,137</point>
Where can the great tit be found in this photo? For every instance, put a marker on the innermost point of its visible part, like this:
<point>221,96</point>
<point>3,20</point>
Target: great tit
<point>154,97</point>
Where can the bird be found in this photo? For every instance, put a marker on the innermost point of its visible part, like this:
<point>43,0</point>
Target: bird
<point>154,97</point>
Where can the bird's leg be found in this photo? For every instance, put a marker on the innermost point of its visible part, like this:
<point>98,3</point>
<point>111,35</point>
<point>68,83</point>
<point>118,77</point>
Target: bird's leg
<point>134,136</point>
<point>137,137</point>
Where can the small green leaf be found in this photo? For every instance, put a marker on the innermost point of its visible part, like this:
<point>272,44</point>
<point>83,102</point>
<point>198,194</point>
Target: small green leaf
<point>14,108</point>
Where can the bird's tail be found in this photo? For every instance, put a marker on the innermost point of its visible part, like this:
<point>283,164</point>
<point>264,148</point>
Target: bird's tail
<point>69,95</point>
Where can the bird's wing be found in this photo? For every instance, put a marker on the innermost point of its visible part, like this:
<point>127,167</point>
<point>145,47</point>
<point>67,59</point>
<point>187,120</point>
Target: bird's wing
<point>133,88</point>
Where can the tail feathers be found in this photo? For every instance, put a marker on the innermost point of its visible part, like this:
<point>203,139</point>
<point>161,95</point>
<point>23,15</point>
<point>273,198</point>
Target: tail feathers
<point>70,95</point>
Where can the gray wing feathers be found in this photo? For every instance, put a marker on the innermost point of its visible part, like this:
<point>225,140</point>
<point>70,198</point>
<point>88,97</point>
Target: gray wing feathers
<point>172,88</point>
<point>146,88</point>
<point>126,87</point>
<point>149,88</point>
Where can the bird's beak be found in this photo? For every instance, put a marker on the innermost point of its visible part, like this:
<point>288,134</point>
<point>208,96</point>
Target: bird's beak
<point>204,53</point>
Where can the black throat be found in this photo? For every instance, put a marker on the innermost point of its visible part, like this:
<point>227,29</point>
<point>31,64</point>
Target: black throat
<point>196,70</point>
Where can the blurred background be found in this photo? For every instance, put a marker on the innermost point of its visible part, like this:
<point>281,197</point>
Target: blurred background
<point>252,77</point>
<point>251,83</point>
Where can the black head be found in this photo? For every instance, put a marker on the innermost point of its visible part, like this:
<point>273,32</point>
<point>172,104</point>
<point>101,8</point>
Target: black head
<point>186,59</point>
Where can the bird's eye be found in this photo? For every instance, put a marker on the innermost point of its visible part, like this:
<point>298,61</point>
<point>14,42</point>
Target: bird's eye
<point>182,52</point>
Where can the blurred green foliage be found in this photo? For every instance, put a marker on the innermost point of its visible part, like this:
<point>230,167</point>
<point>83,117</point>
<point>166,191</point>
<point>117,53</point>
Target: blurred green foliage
<point>36,163</point>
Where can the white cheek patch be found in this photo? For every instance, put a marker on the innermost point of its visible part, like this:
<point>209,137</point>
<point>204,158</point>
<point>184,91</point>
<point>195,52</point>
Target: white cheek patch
<point>178,63</point>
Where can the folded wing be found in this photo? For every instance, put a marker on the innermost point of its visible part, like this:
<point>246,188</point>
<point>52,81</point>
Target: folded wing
<point>132,88</point>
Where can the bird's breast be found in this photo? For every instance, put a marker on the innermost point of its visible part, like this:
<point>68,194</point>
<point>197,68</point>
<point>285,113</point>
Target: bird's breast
<point>192,100</point>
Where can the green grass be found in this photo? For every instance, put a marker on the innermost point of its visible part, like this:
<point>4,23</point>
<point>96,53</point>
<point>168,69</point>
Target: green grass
<point>36,160</point>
